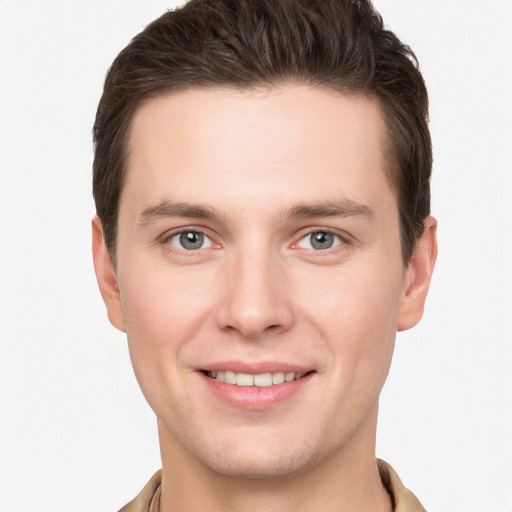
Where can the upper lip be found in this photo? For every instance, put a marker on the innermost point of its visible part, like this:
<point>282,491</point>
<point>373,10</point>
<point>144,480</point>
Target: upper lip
<point>255,368</point>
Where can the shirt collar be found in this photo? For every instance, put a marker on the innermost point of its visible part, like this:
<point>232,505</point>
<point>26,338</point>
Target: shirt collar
<point>403,500</point>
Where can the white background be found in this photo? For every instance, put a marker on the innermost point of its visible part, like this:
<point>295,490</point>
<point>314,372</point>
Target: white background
<point>75,432</point>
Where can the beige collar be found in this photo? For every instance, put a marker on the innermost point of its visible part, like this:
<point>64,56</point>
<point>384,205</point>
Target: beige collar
<point>403,500</point>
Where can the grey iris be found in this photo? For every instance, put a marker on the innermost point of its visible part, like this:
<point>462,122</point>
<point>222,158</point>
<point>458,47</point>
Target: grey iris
<point>191,240</point>
<point>322,240</point>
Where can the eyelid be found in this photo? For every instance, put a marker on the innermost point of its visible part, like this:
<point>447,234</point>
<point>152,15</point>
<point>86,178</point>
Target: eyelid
<point>168,235</point>
<point>342,236</point>
<point>345,239</point>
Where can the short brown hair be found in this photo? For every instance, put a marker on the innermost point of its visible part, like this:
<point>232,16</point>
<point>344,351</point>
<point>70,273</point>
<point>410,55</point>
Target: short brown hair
<point>341,45</point>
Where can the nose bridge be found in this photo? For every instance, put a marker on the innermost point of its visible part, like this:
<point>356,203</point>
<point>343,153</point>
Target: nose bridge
<point>255,298</point>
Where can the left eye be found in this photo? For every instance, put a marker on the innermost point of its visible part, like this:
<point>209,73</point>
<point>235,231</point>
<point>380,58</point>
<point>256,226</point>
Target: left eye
<point>190,240</point>
<point>320,241</point>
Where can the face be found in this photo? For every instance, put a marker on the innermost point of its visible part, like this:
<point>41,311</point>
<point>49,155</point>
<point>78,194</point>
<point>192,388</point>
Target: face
<point>259,274</point>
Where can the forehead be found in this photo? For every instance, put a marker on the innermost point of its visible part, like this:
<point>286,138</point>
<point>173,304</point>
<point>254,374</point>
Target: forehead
<point>217,143</point>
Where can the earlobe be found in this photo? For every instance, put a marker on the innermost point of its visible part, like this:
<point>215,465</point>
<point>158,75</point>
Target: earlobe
<point>106,276</point>
<point>419,274</point>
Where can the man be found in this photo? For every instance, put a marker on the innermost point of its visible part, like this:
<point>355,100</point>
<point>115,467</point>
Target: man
<point>261,179</point>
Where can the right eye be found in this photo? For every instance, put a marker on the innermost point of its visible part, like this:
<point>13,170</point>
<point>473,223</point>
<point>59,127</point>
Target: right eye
<point>190,240</point>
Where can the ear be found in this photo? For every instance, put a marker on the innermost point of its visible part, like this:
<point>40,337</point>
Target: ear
<point>106,276</point>
<point>419,273</point>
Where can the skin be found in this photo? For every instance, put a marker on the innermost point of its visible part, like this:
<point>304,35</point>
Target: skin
<point>263,171</point>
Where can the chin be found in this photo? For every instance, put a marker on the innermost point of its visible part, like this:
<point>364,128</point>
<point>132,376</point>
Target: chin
<point>259,466</point>
<point>258,459</point>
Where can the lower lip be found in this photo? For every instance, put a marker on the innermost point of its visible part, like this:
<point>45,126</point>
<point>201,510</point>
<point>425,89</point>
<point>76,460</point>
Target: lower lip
<point>253,397</point>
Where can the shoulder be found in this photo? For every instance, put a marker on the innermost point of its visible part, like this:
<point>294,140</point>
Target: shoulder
<point>403,499</point>
<point>142,503</point>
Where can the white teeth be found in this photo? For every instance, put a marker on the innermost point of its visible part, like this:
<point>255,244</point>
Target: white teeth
<point>244,379</point>
<point>278,378</point>
<point>230,377</point>
<point>261,380</point>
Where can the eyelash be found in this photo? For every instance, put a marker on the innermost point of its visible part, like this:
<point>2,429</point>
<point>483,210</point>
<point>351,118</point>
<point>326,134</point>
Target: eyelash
<point>206,238</point>
<point>341,240</point>
<point>167,240</point>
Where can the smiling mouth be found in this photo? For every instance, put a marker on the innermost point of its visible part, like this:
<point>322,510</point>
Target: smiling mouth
<point>260,380</point>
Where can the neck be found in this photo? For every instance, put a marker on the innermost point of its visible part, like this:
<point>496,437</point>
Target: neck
<point>346,481</point>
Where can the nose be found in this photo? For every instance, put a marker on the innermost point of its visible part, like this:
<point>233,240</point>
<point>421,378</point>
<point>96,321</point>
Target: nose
<point>255,298</point>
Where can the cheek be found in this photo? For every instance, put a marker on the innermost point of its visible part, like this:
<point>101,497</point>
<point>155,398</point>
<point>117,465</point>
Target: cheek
<point>161,314</point>
<point>163,310</point>
<point>353,299</point>
<point>162,304</point>
<point>356,312</point>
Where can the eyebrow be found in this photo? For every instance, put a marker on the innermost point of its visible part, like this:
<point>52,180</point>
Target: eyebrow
<point>168,209</point>
<point>342,208</point>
